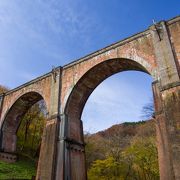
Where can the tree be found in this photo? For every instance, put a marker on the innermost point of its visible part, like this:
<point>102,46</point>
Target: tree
<point>148,110</point>
<point>107,169</point>
<point>95,148</point>
<point>129,153</point>
<point>30,131</point>
<point>3,89</point>
<point>144,161</point>
<point>138,161</point>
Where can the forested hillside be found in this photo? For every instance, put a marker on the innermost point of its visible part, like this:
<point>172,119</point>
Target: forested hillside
<point>126,151</point>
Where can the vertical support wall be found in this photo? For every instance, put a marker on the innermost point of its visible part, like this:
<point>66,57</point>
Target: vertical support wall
<point>171,100</point>
<point>60,163</point>
<point>166,62</point>
<point>71,151</point>
<point>47,159</point>
<point>167,104</point>
<point>162,134</point>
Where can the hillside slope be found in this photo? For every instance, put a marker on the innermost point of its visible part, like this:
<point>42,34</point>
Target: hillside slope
<point>126,151</point>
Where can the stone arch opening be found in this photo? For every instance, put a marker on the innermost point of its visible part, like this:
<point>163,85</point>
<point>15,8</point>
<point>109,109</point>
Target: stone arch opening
<point>92,78</point>
<point>121,98</point>
<point>13,119</point>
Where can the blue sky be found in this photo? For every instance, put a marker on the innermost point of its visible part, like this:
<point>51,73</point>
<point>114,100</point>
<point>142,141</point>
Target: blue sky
<point>38,34</point>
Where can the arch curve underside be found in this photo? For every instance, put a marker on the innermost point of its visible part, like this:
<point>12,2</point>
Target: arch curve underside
<point>13,118</point>
<point>91,79</point>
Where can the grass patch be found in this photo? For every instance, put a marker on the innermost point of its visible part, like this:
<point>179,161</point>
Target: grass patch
<point>22,169</point>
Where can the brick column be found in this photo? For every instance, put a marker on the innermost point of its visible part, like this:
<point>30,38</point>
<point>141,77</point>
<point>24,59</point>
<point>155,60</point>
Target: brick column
<point>46,164</point>
<point>167,100</point>
<point>71,151</point>
<point>47,159</point>
<point>165,58</point>
<point>162,135</point>
<point>171,101</point>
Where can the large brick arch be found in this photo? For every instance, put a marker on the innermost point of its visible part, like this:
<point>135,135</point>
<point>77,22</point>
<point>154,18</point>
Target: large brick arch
<point>94,76</point>
<point>139,50</point>
<point>13,118</point>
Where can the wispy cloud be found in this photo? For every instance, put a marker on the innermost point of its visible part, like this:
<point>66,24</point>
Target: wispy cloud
<point>42,32</point>
<point>44,18</point>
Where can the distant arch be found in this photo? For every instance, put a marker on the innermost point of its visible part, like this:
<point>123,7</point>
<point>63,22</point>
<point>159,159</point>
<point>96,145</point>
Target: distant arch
<point>12,119</point>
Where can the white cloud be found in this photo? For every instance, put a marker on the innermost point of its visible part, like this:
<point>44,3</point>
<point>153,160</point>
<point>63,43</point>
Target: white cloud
<point>38,18</point>
<point>32,30</point>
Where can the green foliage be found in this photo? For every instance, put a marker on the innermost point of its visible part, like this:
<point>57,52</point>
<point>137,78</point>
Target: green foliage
<point>142,155</point>
<point>134,123</point>
<point>30,132</point>
<point>94,149</point>
<point>23,169</point>
<point>127,156</point>
<point>107,169</point>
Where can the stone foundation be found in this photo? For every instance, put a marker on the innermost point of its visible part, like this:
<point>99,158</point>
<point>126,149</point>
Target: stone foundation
<point>7,157</point>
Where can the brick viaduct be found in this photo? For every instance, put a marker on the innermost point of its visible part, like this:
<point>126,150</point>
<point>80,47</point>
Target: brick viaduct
<point>65,90</point>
